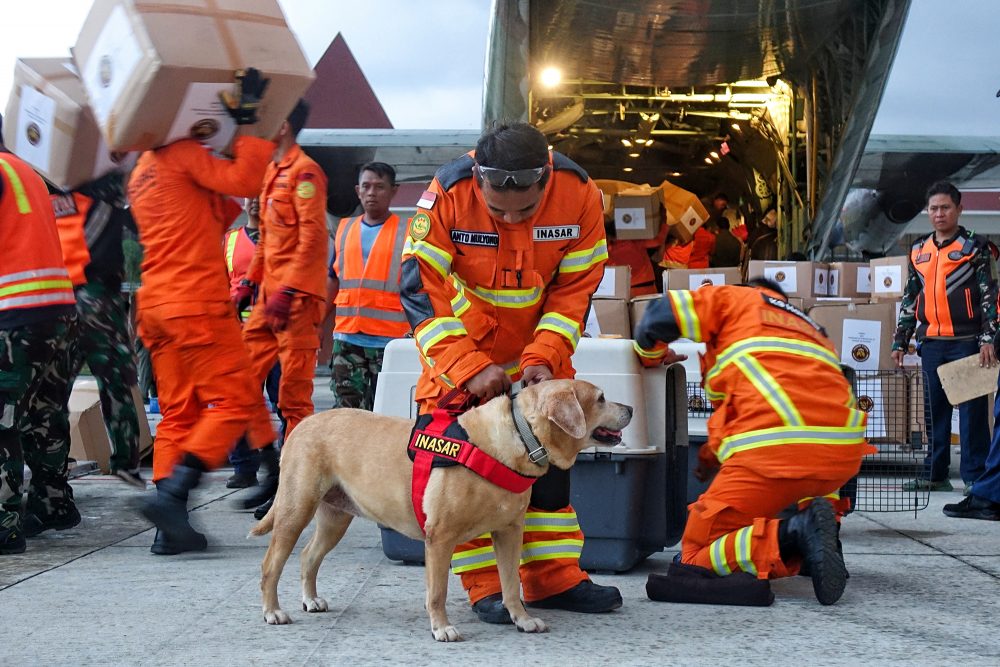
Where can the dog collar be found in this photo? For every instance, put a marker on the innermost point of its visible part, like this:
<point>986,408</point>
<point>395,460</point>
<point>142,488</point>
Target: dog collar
<point>537,453</point>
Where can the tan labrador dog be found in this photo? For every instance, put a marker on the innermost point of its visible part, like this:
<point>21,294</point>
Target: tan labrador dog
<point>345,463</point>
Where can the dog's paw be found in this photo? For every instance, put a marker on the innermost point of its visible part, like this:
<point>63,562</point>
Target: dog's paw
<point>313,605</point>
<point>277,617</point>
<point>531,624</point>
<point>448,633</point>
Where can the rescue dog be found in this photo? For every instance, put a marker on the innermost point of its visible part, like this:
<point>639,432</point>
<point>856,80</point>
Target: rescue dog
<point>345,463</point>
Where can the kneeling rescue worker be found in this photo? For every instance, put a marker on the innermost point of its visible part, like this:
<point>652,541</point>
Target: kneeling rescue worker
<point>786,430</point>
<point>503,255</point>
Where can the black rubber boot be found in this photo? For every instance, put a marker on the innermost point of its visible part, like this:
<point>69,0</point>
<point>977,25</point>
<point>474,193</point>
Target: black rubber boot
<point>262,511</point>
<point>812,535</point>
<point>267,488</point>
<point>586,598</point>
<point>168,511</point>
<point>490,609</point>
<point>12,541</point>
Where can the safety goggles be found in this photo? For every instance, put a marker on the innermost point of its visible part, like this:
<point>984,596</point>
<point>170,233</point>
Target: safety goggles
<point>501,178</point>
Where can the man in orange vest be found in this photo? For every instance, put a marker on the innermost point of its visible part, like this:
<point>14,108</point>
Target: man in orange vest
<point>503,256</point>
<point>363,289</point>
<point>289,264</point>
<point>208,398</point>
<point>37,323</point>
<point>772,438</point>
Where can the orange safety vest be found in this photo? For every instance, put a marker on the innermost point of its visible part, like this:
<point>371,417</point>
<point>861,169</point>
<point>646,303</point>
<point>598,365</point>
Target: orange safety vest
<point>71,210</point>
<point>949,304</point>
<point>240,249</point>
<point>32,274</point>
<point>368,299</point>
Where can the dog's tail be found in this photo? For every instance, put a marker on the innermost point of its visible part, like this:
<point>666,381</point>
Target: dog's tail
<point>265,525</point>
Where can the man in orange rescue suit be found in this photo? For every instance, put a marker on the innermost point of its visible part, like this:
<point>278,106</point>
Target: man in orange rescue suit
<point>950,298</point>
<point>363,289</point>
<point>775,440</point>
<point>207,395</point>
<point>37,322</point>
<point>502,258</point>
<point>289,264</point>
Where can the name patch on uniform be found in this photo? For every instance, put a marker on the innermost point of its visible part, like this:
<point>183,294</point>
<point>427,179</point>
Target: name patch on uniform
<point>63,205</point>
<point>485,239</point>
<point>436,444</point>
<point>557,233</point>
<point>427,199</point>
<point>922,257</point>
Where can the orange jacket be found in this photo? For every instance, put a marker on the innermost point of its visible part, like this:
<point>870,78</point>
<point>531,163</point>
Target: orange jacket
<point>177,200</point>
<point>479,291</point>
<point>676,255</point>
<point>71,211</point>
<point>292,249</point>
<point>702,248</point>
<point>782,404</point>
<point>32,272</point>
<point>635,255</point>
<point>368,297</point>
<point>240,250</point>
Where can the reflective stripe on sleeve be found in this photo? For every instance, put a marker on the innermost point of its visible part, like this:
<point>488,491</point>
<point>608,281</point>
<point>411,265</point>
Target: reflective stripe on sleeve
<point>436,257</point>
<point>562,325</point>
<point>20,195</point>
<point>438,329</point>
<point>687,318</point>
<point>581,260</point>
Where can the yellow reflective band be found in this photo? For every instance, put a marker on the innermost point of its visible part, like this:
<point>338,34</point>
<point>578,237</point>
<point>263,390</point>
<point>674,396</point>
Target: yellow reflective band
<point>438,329</point>
<point>550,550</point>
<point>766,344</point>
<point>512,368</point>
<point>436,257</point>
<point>460,304</point>
<point>744,551</point>
<point>35,286</point>
<point>507,298</point>
<point>581,260</point>
<point>231,249</point>
<point>769,388</point>
<point>562,325</point>
<point>551,522</point>
<point>687,318</point>
<point>473,559</point>
<point>856,417</point>
<point>20,196</point>
<point>717,554</point>
<point>648,354</point>
<point>790,435</point>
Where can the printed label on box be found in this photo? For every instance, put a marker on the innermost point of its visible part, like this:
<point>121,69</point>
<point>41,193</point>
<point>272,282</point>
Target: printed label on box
<point>606,286</point>
<point>785,276</point>
<point>35,119</point>
<point>630,219</point>
<point>820,277</point>
<point>201,116</point>
<point>114,58</point>
<point>691,219</point>
<point>696,280</point>
<point>593,327</point>
<point>859,348</point>
<point>887,279</point>
<point>833,282</point>
<point>864,280</point>
<point>870,400</point>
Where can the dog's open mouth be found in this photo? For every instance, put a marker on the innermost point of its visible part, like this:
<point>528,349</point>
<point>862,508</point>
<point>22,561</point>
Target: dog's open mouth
<point>607,436</point>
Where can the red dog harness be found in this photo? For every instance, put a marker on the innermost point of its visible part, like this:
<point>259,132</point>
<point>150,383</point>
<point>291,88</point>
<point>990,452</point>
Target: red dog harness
<point>436,445</point>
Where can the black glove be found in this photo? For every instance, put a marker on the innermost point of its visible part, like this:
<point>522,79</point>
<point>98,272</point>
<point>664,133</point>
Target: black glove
<point>244,100</point>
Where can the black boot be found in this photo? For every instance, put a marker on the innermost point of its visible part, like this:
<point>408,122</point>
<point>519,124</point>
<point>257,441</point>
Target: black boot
<point>812,535</point>
<point>168,510</point>
<point>262,511</point>
<point>267,488</point>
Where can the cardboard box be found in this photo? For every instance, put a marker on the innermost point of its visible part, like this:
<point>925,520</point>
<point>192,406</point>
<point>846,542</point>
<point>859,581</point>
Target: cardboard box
<point>861,333</point>
<point>684,211</point>
<point>888,277</point>
<point>637,213</point>
<point>609,188</point>
<point>637,307</point>
<point>803,279</point>
<point>89,439</point>
<point>918,410</point>
<point>608,318</point>
<point>49,125</point>
<point>886,400</point>
<point>692,279</point>
<point>153,71</point>
<point>849,279</point>
<point>616,283</point>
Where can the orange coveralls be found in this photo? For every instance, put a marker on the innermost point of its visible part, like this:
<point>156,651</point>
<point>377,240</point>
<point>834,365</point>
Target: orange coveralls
<point>291,254</point>
<point>207,396</point>
<point>786,427</point>
<point>480,292</point>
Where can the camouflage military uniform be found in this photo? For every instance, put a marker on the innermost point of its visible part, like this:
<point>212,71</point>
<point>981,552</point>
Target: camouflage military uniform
<point>355,372</point>
<point>35,363</point>
<point>102,332</point>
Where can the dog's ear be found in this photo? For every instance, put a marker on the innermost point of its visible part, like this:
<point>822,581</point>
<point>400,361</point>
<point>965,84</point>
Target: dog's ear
<point>563,409</point>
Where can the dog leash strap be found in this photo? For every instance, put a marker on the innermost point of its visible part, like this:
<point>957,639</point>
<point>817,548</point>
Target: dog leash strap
<point>421,473</point>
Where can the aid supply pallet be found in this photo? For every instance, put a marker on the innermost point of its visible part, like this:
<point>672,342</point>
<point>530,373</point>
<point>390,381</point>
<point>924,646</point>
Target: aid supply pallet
<point>631,500</point>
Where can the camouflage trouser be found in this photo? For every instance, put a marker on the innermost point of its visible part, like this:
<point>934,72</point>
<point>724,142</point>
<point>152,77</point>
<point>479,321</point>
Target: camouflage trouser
<point>35,361</point>
<point>103,342</point>
<point>354,374</point>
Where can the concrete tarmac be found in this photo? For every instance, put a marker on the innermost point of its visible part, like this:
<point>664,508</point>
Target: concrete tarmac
<point>923,591</point>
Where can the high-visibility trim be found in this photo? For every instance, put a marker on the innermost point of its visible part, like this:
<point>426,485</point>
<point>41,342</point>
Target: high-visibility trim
<point>856,417</point>
<point>551,522</point>
<point>371,313</point>
<point>231,249</point>
<point>767,344</point>
<point>770,390</point>
<point>687,318</point>
<point>511,369</point>
<point>648,354</point>
<point>562,325</point>
<point>473,559</point>
<point>10,278</point>
<point>744,550</point>
<point>38,286</point>
<point>20,195</point>
<point>460,304</point>
<point>550,550</point>
<point>713,395</point>
<point>830,496</point>
<point>436,257</point>
<point>504,298</point>
<point>439,329</point>
<point>581,260</point>
<point>717,554</point>
<point>38,300</point>
<point>790,435</point>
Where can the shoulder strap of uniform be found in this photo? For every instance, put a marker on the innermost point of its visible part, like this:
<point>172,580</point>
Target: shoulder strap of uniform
<point>562,163</point>
<point>455,171</point>
<point>919,243</point>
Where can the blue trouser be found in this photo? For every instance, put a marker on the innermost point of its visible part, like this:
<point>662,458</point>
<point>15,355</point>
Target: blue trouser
<point>244,459</point>
<point>987,485</point>
<point>974,429</point>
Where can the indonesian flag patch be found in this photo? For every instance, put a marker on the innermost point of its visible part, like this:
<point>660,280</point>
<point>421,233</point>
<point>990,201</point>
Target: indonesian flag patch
<point>427,199</point>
